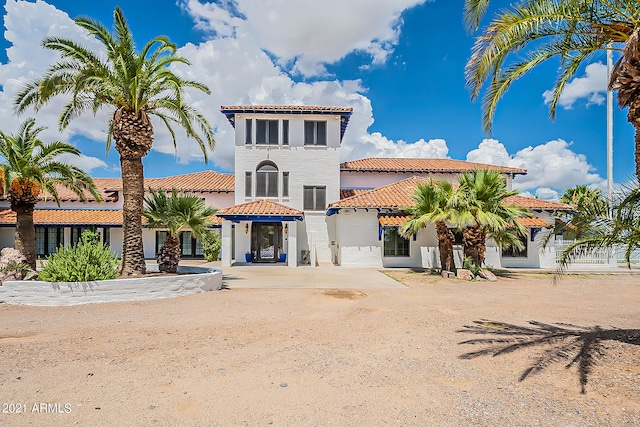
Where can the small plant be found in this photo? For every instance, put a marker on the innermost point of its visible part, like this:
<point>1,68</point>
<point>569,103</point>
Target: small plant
<point>86,261</point>
<point>468,264</point>
<point>211,244</point>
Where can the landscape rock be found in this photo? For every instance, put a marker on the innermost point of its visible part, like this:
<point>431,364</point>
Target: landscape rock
<point>464,274</point>
<point>9,256</point>
<point>487,274</point>
<point>447,274</point>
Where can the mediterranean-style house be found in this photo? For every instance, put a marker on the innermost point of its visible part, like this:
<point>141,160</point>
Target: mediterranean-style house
<point>292,201</point>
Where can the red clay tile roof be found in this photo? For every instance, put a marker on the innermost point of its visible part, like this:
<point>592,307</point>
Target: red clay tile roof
<point>348,192</point>
<point>395,195</point>
<point>259,207</point>
<point>537,204</point>
<point>67,217</point>
<point>420,165</point>
<point>399,195</point>
<point>533,222</point>
<point>393,220</point>
<point>205,181</point>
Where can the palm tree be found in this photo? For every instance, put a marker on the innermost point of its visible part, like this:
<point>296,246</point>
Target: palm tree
<point>530,32</point>
<point>621,229</point>
<point>481,201</point>
<point>135,86</point>
<point>175,214</point>
<point>589,204</point>
<point>433,204</point>
<point>30,167</point>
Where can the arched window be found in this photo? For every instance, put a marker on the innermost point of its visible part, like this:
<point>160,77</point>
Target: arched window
<point>267,180</point>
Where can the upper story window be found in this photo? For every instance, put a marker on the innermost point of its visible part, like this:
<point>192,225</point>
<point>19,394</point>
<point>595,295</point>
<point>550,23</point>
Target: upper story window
<point>314,198</point>
<point>267,132</point>
<point>247,184</point>
<point>267,180</point>
<point>285,132</point>
<point>248,131</point>
<point>315,132</point>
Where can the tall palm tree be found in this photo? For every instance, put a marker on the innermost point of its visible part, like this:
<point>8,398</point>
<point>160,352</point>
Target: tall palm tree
<point>176,213</point>
<point>481,197</point>
<point>530,32</point>
<point>30,167</point>
<point>435,203</point>
<point>135,86</point>
<point>589,204</point>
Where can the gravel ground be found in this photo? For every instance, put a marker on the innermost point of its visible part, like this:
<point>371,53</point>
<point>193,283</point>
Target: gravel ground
<point>323,357</point>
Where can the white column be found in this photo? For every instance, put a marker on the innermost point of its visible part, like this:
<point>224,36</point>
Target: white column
<point>226,243</point>
<point>312,248</point>
<point>292,249</point>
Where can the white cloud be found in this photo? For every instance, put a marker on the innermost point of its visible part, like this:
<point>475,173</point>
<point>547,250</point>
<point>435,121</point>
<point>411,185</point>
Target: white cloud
<point>550,165</point>
<point>306,34</point>
<point>86,163</point>
<point>591,87</point>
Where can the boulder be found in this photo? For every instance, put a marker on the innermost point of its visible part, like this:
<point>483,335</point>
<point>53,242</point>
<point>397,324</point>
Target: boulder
<point>487,274</point>
<point>464,274</point>
<point>447,274</point>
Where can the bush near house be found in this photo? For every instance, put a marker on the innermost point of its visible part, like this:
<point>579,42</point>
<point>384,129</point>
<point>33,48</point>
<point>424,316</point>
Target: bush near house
<point>211,244</point>
<point>86,261</point>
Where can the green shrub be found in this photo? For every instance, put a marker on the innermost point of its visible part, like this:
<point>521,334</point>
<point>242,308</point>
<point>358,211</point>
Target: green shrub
<point>211,244</point>
<point>468,264</point>
<point>87,261</point>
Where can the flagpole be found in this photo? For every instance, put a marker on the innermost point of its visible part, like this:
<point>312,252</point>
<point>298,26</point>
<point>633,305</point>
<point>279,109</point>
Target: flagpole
<point>609,125</point>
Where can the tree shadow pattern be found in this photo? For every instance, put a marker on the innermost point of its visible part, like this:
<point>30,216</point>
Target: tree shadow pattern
<point>578,346</point>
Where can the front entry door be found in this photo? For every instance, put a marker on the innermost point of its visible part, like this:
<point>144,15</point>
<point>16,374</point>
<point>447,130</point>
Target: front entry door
<point>265,241</point>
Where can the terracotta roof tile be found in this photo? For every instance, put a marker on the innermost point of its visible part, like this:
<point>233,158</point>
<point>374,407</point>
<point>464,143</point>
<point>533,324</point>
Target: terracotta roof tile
<point>395,195</point>
<point>393,220</point>
<point>399,195</point>
<point>533,222</point>
<point>420,165</point>
<point>205,181</point>
<point>259,207</point>
<point>348,192</point>
<point>532,203</point>
<point>67,217</point>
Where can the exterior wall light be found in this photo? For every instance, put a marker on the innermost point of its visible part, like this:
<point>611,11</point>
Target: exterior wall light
<point>286,228</point>
<point>246,229</point>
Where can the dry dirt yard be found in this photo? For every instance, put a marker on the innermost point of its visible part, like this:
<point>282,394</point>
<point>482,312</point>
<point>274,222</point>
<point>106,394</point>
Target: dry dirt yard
<point>318,357</point>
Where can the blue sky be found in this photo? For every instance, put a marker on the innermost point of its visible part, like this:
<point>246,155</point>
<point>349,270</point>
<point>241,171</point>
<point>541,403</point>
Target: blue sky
<point>399,64</point>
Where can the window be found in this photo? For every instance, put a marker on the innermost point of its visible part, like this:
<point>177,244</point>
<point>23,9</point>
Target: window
<point>267,132</point>
<point>248,131</point>
<point>48,239</point>
<point>314,198</point>
<point>315,133</point>
<point>186,243</point>
<point>267,180</point>
<point>161,236</point>
<point>285,132</point>
<point>516,253</point>
<point>394,243</point>
<point>285,184</point>
<point>247,184</point>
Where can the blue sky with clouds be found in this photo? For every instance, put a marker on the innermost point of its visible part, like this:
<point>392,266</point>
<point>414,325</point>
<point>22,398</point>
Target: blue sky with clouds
<point>399,64</point>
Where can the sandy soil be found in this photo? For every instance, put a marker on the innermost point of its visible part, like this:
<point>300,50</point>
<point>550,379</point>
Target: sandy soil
<point>330,357</point>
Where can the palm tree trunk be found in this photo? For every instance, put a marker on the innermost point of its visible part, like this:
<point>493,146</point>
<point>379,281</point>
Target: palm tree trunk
<point>133,195</point>
<point>474,242</point>
<point>133,134</point>
<point>169,255</point>
<point>445,245</point>
<point>25,235</point>
<point>634,119</point>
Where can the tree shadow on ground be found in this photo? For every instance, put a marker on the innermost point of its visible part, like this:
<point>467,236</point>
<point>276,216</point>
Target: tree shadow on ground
<point>577,346</point>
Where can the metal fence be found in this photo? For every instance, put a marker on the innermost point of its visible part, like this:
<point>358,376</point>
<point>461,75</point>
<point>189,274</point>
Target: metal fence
<point>595,257</point>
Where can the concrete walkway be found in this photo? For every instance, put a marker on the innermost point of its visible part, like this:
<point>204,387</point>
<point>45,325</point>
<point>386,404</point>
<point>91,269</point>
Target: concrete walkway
<point>273,276</point>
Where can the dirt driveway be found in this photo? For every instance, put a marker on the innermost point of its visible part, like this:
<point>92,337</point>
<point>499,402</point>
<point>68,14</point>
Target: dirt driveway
<point>320,357</point>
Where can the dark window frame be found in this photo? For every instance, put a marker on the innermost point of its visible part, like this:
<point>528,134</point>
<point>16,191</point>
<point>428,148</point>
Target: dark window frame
<point>266,173</point>
<point>315,133</point>
<point>248,131</point>
<point>269,134</point>
<point>394,245</point>
<point>317,204</point>
<point>512,252</point>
